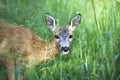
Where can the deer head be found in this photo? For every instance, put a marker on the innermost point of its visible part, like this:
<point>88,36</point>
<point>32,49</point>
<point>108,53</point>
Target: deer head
<point>63,35</point>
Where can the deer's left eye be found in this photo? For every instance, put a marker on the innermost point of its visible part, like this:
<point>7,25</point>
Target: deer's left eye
<point>70,36</point>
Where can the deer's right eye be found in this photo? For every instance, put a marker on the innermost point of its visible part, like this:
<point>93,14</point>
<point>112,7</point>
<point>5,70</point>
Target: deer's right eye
<point>57,37</point>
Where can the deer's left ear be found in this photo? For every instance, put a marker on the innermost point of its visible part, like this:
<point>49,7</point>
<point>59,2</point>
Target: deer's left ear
<point>75,21</point>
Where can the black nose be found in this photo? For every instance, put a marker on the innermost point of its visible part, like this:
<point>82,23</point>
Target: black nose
<point>65,48</point>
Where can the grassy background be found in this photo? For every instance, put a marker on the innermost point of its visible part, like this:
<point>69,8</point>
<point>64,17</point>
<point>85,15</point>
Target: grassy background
<point>95,52</point>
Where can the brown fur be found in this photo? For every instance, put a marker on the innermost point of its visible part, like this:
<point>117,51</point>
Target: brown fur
<point>21,43</point>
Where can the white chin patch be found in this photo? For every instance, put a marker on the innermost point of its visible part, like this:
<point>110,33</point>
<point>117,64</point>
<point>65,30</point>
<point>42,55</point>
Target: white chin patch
<point>65,52</point>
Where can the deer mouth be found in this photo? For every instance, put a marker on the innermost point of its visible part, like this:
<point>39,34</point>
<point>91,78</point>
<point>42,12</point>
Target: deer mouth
<point>65,52</point>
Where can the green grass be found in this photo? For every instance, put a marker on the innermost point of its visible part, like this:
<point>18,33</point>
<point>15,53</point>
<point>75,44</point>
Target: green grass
<point>95,52</point>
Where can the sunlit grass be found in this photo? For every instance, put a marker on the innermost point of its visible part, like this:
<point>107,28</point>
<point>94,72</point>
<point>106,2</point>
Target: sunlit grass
<point>95,50</point>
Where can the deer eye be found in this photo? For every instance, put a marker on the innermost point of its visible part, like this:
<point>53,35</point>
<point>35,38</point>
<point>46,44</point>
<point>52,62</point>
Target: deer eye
<point>70,36</point>
<point>57,37</point>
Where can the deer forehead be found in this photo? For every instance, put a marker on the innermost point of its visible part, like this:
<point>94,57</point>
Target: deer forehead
<point>63,31</point>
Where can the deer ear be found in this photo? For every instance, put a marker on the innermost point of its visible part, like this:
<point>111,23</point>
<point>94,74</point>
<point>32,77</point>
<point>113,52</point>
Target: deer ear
<point>75,21</point>
<point>52,24</point>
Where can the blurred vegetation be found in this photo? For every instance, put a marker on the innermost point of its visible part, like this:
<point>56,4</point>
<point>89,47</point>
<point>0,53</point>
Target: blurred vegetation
<point>95,52</point>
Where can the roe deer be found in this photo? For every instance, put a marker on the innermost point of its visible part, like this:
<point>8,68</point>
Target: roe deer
<point>28,49</point>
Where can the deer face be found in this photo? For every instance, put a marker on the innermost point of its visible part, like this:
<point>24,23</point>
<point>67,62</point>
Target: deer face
<point>63,35</point>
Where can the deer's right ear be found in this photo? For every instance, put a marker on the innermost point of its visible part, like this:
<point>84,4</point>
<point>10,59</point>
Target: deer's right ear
<point>52,24</point>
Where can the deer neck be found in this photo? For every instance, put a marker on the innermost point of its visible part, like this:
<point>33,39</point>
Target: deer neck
<point>44,51</point>
<point>51,49</point>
